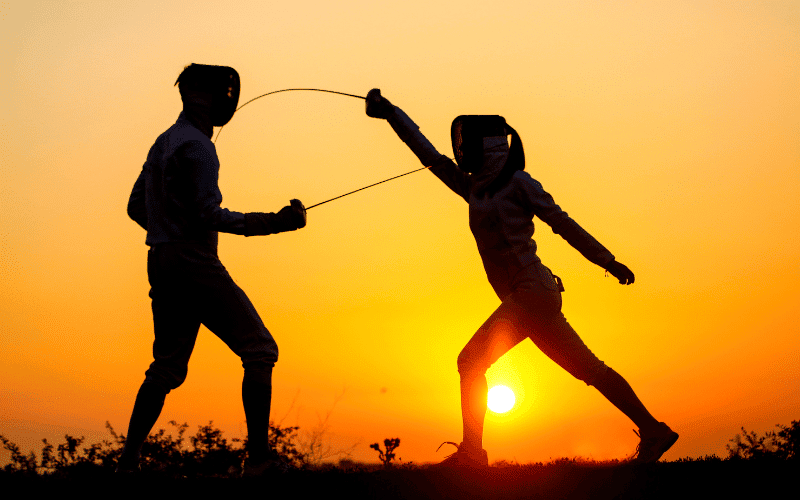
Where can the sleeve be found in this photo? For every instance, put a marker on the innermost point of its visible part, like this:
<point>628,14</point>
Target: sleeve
<point>260,224</point>
<point>441,166</point>
<point>541,203</point>
<point>137,210</point>
<point>207,198</point>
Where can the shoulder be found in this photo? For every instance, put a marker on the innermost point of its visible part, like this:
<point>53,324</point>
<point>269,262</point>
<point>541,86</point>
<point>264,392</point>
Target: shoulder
<point>184,140</point>
<point>183,132</point>
<point>523,179</point>
<point>531,192</point>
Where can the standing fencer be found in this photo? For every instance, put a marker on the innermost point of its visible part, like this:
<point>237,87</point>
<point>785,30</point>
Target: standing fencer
<point>503,199</point>
<point>176,199</point>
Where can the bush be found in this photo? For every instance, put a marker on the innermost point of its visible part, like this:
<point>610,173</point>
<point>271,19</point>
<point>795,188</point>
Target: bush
<point>781,445</point>
<point>207,453</point>
<point>386,457</point>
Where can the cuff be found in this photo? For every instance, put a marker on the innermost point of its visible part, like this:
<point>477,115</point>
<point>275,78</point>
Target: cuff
<point>260,224</point>
<point>604,259</point>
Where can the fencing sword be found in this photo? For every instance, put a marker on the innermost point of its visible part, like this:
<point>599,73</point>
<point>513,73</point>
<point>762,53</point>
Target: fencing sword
<point>330,92</point>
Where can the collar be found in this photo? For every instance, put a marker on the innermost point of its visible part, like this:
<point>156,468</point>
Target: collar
<point>198,119</point>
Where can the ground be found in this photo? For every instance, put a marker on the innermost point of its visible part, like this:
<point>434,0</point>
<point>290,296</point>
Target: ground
<point>563,479</point>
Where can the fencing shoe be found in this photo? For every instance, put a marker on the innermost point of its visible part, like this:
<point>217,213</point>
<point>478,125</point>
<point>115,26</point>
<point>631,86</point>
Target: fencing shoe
<point>270,466</point>
<point>127,464</point>
<point>653,444</point>
<point>463,458</point>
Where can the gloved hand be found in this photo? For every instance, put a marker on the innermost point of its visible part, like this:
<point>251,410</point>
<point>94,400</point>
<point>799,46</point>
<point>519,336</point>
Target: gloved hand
<point>294,216</point>
<point>287,219</point>
<point>621,272</point>
<point>378,106</point>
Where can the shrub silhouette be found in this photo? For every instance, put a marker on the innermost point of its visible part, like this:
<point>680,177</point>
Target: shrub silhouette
<point>781,445</point>
<point>207,453</point>
<point>388,456</point>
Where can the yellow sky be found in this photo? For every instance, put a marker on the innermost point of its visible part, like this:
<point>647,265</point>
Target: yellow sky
<point>669,130</point>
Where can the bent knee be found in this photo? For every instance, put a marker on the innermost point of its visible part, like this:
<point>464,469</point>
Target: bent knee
<point>469,364</point>
<point>258,371</point>
<point>258,348</point>
<point>166,380</point>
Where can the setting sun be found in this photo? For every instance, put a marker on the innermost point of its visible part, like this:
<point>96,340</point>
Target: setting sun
<point>501,399</point>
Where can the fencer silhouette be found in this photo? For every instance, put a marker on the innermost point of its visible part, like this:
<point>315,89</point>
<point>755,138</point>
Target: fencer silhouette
<point>503,200</point>
<point>177,199</point>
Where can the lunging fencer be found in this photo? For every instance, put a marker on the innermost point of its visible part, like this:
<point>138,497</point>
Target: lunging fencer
<point>503,199</point>
<point>176,199</point>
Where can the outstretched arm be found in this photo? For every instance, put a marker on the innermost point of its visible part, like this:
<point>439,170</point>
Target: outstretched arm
<point>408,131</point>
<point>590,248</point>
<point>541,203</point>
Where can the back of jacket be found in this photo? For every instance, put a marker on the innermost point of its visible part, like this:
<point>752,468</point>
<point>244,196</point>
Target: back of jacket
<point>176,197</point>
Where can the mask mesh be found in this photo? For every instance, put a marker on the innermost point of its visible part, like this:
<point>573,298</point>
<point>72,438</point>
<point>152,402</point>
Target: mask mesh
<point>467,133</point>
<point>222,82</point>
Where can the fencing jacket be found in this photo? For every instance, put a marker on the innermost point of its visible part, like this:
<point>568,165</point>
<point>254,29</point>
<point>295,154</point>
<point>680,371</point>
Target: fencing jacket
<point>502,222</point>
<point>177,198</point>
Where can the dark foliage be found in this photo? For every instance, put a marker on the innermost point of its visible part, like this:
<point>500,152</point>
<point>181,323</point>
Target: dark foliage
<point>206,454</point>
<point>781,445</point>
<point>386,457</point>
<point>172,463</point>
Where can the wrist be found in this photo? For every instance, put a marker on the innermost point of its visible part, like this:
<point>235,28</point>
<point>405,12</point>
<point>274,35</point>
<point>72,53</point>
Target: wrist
<point>262,224</point>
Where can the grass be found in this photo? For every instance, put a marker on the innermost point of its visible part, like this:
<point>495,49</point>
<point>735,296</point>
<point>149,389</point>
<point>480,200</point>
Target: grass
<point>563,479</point>
<point>756,467</point>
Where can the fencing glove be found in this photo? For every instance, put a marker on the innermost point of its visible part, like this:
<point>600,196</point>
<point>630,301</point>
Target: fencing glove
<point>621,272</point>
<point>378,106</point>
<point>289,218</point>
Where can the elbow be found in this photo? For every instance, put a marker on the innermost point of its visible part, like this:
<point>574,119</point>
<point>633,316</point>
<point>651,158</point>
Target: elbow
<point>560,227</point>
<point>208,217</point>
<point>138,215</point>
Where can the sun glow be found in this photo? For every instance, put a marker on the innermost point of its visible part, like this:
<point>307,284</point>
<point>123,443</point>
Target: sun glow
<point>501,399</point>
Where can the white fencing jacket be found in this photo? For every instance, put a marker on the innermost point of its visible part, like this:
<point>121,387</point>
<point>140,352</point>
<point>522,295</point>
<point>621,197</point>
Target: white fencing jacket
<point>502,222</point>
<point>176,197</point>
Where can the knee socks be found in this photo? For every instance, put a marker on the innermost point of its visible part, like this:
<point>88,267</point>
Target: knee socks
<point>149,402</point>
<point>474,390</point>
<point>256,397</point>
<point>617,390</point>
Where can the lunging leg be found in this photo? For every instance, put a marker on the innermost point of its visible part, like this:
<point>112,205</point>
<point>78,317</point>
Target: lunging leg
<point>493,339</point>
<point>619,392</point>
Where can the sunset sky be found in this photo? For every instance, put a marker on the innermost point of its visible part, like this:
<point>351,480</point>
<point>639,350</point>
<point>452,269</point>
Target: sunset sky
<point>670,130</point>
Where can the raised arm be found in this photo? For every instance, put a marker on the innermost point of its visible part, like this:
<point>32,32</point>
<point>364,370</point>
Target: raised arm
<point>408,131</point>
<point>541,203</point>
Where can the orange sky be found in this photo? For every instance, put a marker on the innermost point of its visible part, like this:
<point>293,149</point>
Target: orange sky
<point>669,130</point>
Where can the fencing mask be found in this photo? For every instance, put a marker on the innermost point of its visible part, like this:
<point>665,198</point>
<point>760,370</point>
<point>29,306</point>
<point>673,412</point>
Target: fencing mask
<point>468,132</point>
<point>221,82</point>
